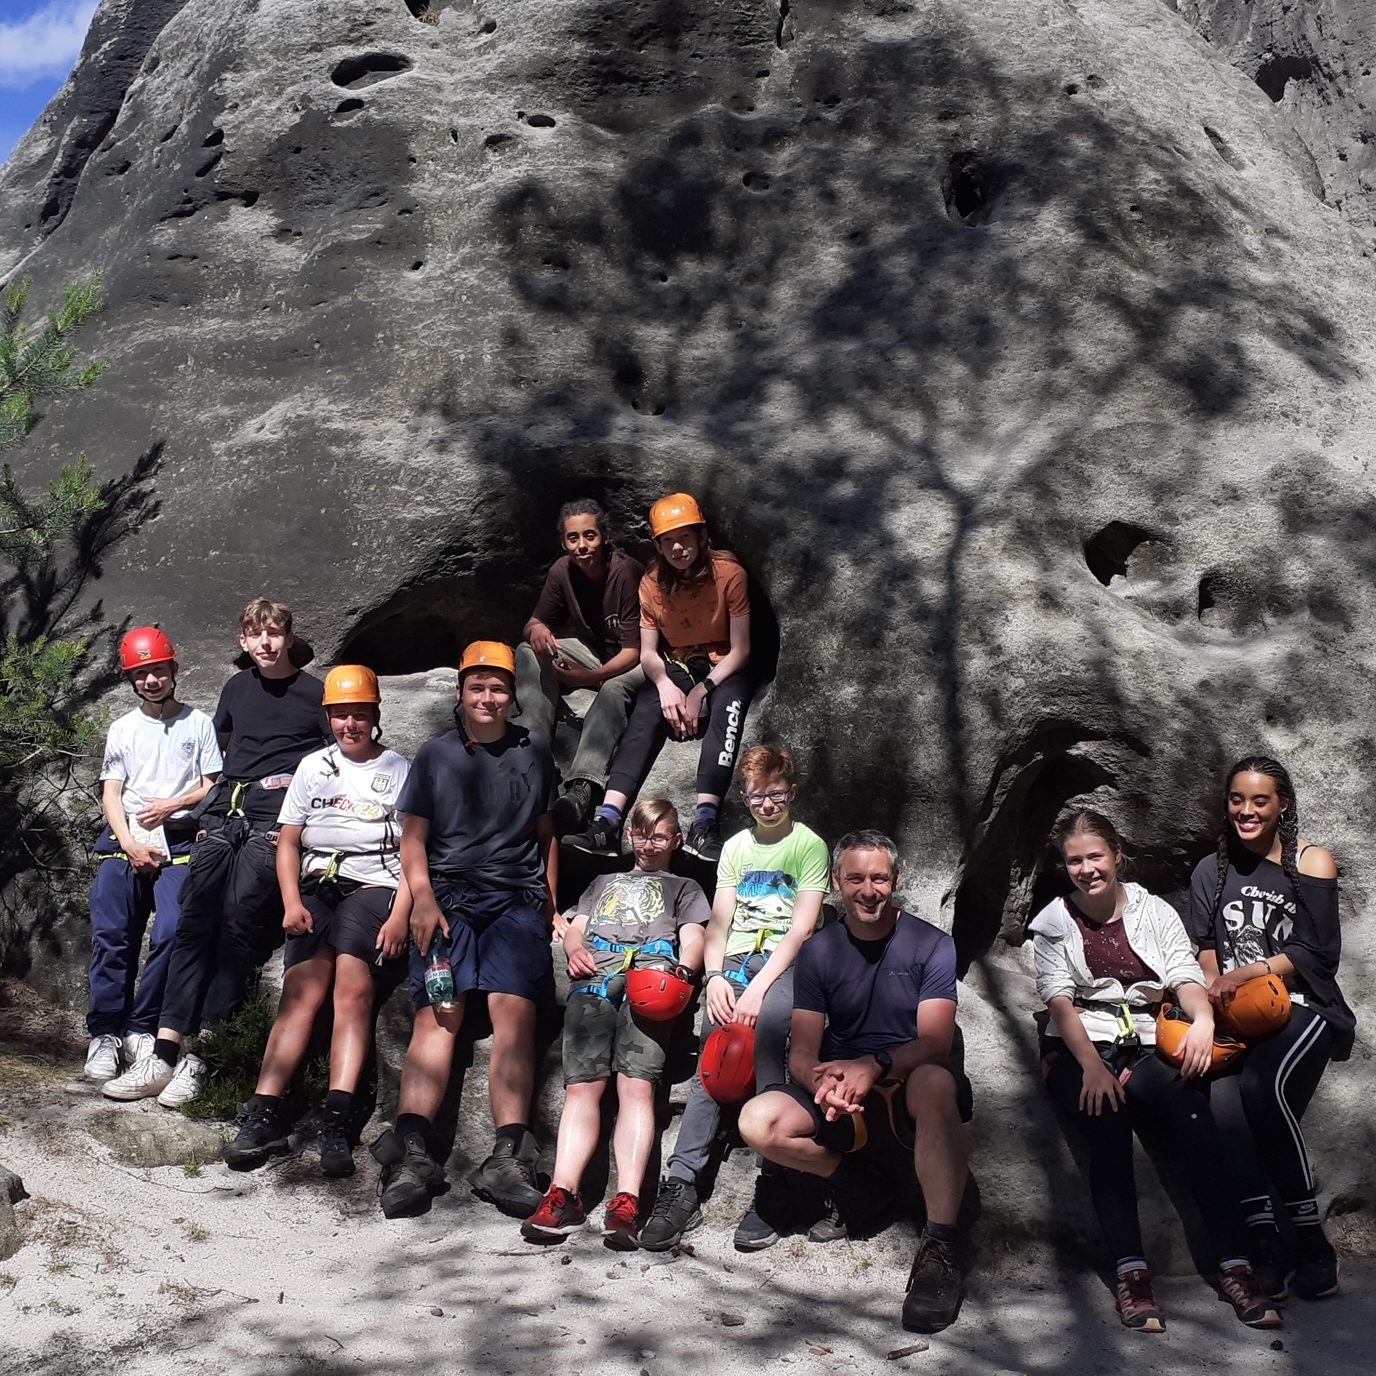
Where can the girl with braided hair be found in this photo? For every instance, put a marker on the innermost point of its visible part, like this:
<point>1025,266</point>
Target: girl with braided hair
<point>1267,903</point>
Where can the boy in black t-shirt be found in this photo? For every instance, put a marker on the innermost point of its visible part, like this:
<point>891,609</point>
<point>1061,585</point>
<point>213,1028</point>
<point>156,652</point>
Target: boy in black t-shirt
<point>875,1064</point>
<point>231,918</point>
<point>479,855</point>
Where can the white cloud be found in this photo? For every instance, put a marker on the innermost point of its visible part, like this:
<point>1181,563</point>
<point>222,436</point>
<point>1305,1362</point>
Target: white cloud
<point>45,45</point>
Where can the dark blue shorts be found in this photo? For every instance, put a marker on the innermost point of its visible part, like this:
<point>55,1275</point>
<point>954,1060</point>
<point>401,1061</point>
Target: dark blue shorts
<point>500,944</point>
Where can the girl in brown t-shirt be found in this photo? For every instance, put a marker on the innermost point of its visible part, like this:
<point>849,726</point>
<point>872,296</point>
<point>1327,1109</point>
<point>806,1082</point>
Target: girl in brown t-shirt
<point>695,650</point>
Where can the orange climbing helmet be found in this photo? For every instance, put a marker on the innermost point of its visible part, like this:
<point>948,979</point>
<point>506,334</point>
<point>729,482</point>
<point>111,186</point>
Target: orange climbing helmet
<point>1259,1008</point>
<point>1173,1026</point>
<point>488,654</point>
<point>351,683</point>
<point>659,995</point>
<point>144,646</point>
<point>674,512</point>
<point>727,1067</point>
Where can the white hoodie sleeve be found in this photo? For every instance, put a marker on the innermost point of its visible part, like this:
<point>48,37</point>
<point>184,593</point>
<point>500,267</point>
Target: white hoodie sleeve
<point>1178,963</point>
<point>1051,958</point>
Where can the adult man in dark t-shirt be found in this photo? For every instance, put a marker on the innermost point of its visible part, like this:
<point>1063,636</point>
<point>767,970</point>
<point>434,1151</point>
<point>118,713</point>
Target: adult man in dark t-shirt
<point>583,633</point>
<point>875,1066</point>
<point>231,917</point>
<point>479,855</point>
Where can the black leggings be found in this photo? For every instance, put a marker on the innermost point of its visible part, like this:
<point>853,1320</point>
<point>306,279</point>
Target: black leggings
<point>1258,1112</point>
<point>721,730</point>
<point>1158,1098</point>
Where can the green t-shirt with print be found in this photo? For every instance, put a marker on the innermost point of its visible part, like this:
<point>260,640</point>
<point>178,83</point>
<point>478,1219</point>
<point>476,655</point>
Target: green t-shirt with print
<point>768,880</point>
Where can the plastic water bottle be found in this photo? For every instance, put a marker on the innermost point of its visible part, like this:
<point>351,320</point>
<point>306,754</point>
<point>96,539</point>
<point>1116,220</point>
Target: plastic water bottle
<point>439,973</point>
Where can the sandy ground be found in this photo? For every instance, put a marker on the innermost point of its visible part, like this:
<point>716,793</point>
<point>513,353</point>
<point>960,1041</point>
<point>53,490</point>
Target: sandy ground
<point>186,1270</point>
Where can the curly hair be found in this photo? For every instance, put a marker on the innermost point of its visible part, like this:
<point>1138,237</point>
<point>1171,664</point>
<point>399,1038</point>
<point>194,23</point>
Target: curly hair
<point>1288,826</point>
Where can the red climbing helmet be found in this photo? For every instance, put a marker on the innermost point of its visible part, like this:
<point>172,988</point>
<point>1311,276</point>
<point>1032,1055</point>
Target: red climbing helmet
<point>727,1066</point>
<point>144,646</point>
<point>659,995</point>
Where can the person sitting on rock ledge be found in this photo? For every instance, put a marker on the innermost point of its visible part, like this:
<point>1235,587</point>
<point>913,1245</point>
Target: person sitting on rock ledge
<point>1105,957</point>
<point>771,881</point>
<point>875,1071</point>
<point>695,649</point>
<point>480,858</point>
<point>583,633</point>
<point>347,918</point>
<point>625,927</point>
<point>231,907</point>
<point>160,761</point>
<point>1266,903</point>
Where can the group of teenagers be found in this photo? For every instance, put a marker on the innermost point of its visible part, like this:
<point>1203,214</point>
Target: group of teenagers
<point>830,1048</point>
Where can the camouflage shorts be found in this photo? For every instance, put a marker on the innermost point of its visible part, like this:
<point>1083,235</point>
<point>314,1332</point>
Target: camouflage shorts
<point>601,1040</point>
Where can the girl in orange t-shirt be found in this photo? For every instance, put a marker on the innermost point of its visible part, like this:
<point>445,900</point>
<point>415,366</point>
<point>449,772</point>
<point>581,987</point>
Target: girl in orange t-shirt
<point>695,650</point>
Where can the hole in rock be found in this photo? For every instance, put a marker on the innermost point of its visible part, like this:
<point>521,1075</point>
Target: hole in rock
<point>453,136</point>
<point>1224,149</point>
<point>210,164</point>
<point>1071,89</point>
<point>1208,595</point>
<point>495,141</point>
<point>367,69</point>
<point>488,26</point>
<point>755,181</point>
<point>162,138</point>
<point>540,121</point>
<point>1095,83</point>
<point>119,168</point>
<point>417,265</point>
<point>407,210</point>
<point>970,187</point>
<point>214,138</point>
<point>1277,72</point>
<point>1107,552</point>
<point>347,107</point>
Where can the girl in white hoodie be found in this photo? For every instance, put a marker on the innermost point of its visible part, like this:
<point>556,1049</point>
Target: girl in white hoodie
<point>1105,957</point>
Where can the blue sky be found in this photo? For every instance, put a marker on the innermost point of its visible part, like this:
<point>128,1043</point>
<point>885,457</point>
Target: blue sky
<point>40,41</point>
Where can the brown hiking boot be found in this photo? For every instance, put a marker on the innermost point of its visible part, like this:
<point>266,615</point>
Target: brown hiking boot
<point>1135,1303</point>
<point>936,1287</point>
<point>1238,1286</point>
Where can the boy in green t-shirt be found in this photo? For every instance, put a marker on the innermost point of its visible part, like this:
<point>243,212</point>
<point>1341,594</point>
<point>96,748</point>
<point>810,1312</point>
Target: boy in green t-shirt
<point>648,919</point>
<point>771,880</point>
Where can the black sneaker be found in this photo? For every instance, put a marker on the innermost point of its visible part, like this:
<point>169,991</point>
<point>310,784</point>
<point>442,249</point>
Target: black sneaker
<point>410,1175</point>
<point>831,1227</point>
<point>1316,1266</point>
<point>767,1220</point>
<point>261,1136</point>
<point>675,1212</point>
<point>704,841</point>
<point>336,1151</point>
<point>507,1178</point>
<point>574,806</point>
<point>936,1287</point>
<point>1271,1264</point>
<point>601,838</point>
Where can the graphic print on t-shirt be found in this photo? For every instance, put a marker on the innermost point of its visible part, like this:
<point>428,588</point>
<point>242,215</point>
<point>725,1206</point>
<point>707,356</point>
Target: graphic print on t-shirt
<point>765,898</point>
<point>631,902</point>
<point>1258,924</point>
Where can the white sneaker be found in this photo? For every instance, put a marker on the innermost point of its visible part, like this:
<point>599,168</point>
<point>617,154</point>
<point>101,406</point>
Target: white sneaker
<point>185,1084</point>
<point>102,1058</point>
<point>144,1078</point>
<point>137,1045</point>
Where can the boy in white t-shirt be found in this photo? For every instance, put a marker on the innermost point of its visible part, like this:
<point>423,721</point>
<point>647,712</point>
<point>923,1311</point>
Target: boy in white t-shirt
<point>160,761</point>
<point>347,914</point>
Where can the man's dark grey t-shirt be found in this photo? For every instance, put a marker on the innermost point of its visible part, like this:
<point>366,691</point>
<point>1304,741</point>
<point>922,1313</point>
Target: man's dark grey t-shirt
<point>483,803</point>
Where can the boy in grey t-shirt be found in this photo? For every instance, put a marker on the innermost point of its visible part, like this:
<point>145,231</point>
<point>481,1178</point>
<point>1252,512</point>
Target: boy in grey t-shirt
<point>647,918</point>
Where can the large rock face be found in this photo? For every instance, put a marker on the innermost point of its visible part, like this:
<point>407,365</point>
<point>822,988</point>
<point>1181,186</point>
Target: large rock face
<point>1010,344</point>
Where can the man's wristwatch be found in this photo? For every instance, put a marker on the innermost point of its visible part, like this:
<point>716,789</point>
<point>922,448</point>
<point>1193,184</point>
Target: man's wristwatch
<point>884,1060</point>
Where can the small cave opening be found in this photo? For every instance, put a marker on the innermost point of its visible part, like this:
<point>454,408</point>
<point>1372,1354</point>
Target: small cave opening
<point>970,186</point>
<point>348,107</point>
<point>1278,71</point>
<point>1224,149</point>
<point>367,69</point>
<point>1108,551</point>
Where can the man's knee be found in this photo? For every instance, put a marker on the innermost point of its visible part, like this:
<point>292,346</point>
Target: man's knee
<point>770,1119</point>
<point>931,1092</point>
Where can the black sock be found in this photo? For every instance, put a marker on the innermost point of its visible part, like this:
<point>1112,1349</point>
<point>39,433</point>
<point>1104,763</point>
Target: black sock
<point>339,1103</point>
<point>943,1232</point>
<point>513,1133</point>
<point>166,1050</point>
<point>411,1124</point>
<point>270,1104</point>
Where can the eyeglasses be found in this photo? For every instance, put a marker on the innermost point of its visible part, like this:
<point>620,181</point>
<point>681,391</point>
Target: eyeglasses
<point>777,796</point>
<point>651,842</point>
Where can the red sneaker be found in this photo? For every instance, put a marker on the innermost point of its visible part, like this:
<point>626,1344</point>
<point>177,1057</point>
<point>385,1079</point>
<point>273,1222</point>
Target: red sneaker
<point>1238,1286</point>
<point>560,1213</point>
<point>620,1223</point>
<point>1136,1305</point>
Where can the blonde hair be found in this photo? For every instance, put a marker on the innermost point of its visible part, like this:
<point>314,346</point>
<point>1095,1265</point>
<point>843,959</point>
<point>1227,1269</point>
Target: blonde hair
<point>262,612</point>
<point>766,762</point>
<point>647,814</point>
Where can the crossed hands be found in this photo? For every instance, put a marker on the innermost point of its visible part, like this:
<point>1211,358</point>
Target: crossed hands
<point>841,1086</point>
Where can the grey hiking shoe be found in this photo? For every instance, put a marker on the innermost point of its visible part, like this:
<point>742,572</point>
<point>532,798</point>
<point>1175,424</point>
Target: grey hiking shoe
<point>507,1178</point>
<point>769,1216</point>
<point>410,1175</point>
<point>675,1212</point>
<point>936,1287</point>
